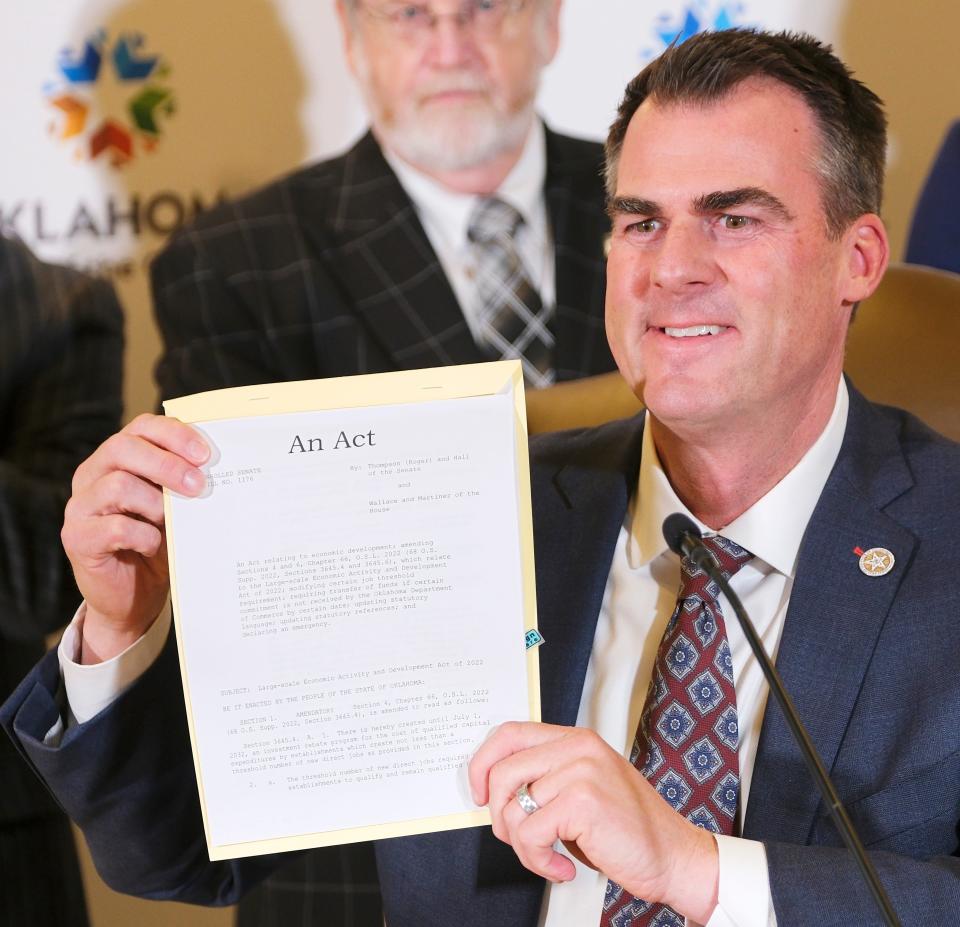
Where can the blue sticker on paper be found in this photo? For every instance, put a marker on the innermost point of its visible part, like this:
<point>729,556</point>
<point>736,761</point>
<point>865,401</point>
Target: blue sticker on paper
<point>533,639</point>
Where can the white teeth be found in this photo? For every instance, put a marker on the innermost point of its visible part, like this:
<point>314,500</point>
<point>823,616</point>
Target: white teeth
<point>694,330</point>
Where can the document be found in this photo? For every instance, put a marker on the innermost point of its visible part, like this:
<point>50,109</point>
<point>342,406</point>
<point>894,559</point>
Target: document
<point>353,598</point>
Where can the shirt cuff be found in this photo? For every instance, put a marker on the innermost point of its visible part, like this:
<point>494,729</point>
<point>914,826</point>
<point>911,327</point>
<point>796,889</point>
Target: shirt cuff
<point>90,689</point>
<point>744,895</point>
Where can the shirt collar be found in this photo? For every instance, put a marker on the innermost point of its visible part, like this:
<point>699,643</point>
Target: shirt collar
<point>771,529</point>
<point>522,188</point>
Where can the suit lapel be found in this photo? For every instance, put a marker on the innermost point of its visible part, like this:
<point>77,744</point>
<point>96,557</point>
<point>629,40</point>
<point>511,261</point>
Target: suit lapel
<point>386,266</point>
<point>378,252</point>
<point>835,616</point>
<point>575,205</point>
<point>579,506</point>
<point>580,488</point>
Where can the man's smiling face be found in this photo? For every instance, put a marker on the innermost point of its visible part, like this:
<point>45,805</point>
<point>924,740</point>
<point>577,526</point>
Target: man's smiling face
<point>724,288</point>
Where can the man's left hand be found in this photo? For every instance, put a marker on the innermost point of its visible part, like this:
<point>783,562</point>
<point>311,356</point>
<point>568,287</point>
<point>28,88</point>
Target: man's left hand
<point>601,807</point>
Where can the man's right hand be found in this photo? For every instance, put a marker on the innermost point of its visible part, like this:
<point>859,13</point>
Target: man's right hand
<point>113,529</point>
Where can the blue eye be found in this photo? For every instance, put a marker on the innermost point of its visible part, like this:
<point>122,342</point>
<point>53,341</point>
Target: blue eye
<point>410,14</point>
<point>488,12</point>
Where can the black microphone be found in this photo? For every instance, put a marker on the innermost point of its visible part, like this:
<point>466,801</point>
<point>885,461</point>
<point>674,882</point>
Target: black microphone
<point>683,537</point>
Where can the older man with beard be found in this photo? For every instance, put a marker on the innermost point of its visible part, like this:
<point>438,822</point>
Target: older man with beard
<point>458,229</point>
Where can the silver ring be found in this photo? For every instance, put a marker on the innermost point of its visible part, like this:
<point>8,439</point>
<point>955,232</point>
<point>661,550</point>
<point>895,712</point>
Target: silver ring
<point>525,799</point>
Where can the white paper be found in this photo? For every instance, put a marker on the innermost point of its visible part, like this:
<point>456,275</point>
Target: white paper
<point>351,613</point>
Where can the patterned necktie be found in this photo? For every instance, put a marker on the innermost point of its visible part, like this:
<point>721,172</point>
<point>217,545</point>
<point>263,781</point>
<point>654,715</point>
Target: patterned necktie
<point>512,320</point>
<point>687,739</point>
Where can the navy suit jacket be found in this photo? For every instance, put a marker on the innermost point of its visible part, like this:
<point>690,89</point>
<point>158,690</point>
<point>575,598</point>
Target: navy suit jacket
<point>871,662</point>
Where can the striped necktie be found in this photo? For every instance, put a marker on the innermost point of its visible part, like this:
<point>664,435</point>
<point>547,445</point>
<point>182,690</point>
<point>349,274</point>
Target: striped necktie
<point>512,321</point>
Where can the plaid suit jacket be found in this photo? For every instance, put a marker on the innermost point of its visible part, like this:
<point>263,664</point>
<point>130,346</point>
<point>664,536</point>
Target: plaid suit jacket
<point>61,345</point>
<point>328,272</point>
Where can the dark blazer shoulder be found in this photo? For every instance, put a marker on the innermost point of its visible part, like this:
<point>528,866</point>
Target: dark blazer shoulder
<point>570,150</point>
<point>611,446</point>
<point>576,165</point>
<point>314,189</point>
<point>576,205</point>
<point>921,444</point>
<point>901,464</point>
<point>42,299</point>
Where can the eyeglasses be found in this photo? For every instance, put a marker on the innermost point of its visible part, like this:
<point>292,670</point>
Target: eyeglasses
<point>415,22</point>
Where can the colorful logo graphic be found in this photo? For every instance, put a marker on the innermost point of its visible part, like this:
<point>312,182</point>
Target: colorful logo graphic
<point>698,16</point>
<point>110,98</point>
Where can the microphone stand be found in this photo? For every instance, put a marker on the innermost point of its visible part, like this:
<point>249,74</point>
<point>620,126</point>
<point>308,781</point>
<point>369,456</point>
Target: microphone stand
<point>691,546</point>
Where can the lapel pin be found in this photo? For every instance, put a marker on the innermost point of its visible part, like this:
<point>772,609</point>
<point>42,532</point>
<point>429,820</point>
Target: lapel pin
<point>878,561</point>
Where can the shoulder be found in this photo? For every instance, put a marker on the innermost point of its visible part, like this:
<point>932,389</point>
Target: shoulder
<point>575,163</point>
<point>921,445</point>
<point>260,211</point>
<point>269,222</point>
<point>611,446</point>
<point>23,275</point>
<point>37,295</point>
<point>901,460</point>
<point>275,200</point>
<point>933,458</point>
<point>574,154</point>
<point>575,177</point>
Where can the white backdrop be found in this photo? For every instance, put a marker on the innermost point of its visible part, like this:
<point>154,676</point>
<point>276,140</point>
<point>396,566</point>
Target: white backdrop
<point>229,93</point>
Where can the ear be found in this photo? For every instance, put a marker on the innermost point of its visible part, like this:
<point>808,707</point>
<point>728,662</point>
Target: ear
<point>347,33</point>
<point>868,253</point>
<point>550,24</point>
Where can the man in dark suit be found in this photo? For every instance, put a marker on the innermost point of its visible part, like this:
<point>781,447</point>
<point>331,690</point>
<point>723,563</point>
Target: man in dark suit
<point>61,345</point>
<point>364,263</point>
<point>369,263</point>
<point>745,174</point>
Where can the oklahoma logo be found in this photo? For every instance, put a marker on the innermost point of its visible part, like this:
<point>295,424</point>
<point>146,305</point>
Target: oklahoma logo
<point>110,98</point>
<point>694,17</point>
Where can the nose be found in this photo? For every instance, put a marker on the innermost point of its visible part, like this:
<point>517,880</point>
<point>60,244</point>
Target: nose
<point>451,42</point>
<point>684,258</point>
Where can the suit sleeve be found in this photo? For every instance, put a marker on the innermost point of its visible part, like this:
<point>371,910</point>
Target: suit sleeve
<point>126,778</point>
<point>60,397</point>
<point>214,322</point>
<point>828,880</point>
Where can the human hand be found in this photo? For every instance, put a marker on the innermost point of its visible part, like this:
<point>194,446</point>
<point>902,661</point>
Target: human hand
<point>113,529</point>
<point>601,807</point>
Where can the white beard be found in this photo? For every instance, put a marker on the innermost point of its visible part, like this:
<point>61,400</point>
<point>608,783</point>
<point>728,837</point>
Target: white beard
<point>457,139</point>
<point>445,137</point>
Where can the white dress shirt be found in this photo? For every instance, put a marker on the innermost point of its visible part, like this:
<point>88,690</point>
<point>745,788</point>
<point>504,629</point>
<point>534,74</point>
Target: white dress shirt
<point>638,600</point>
<point>445,216</point>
